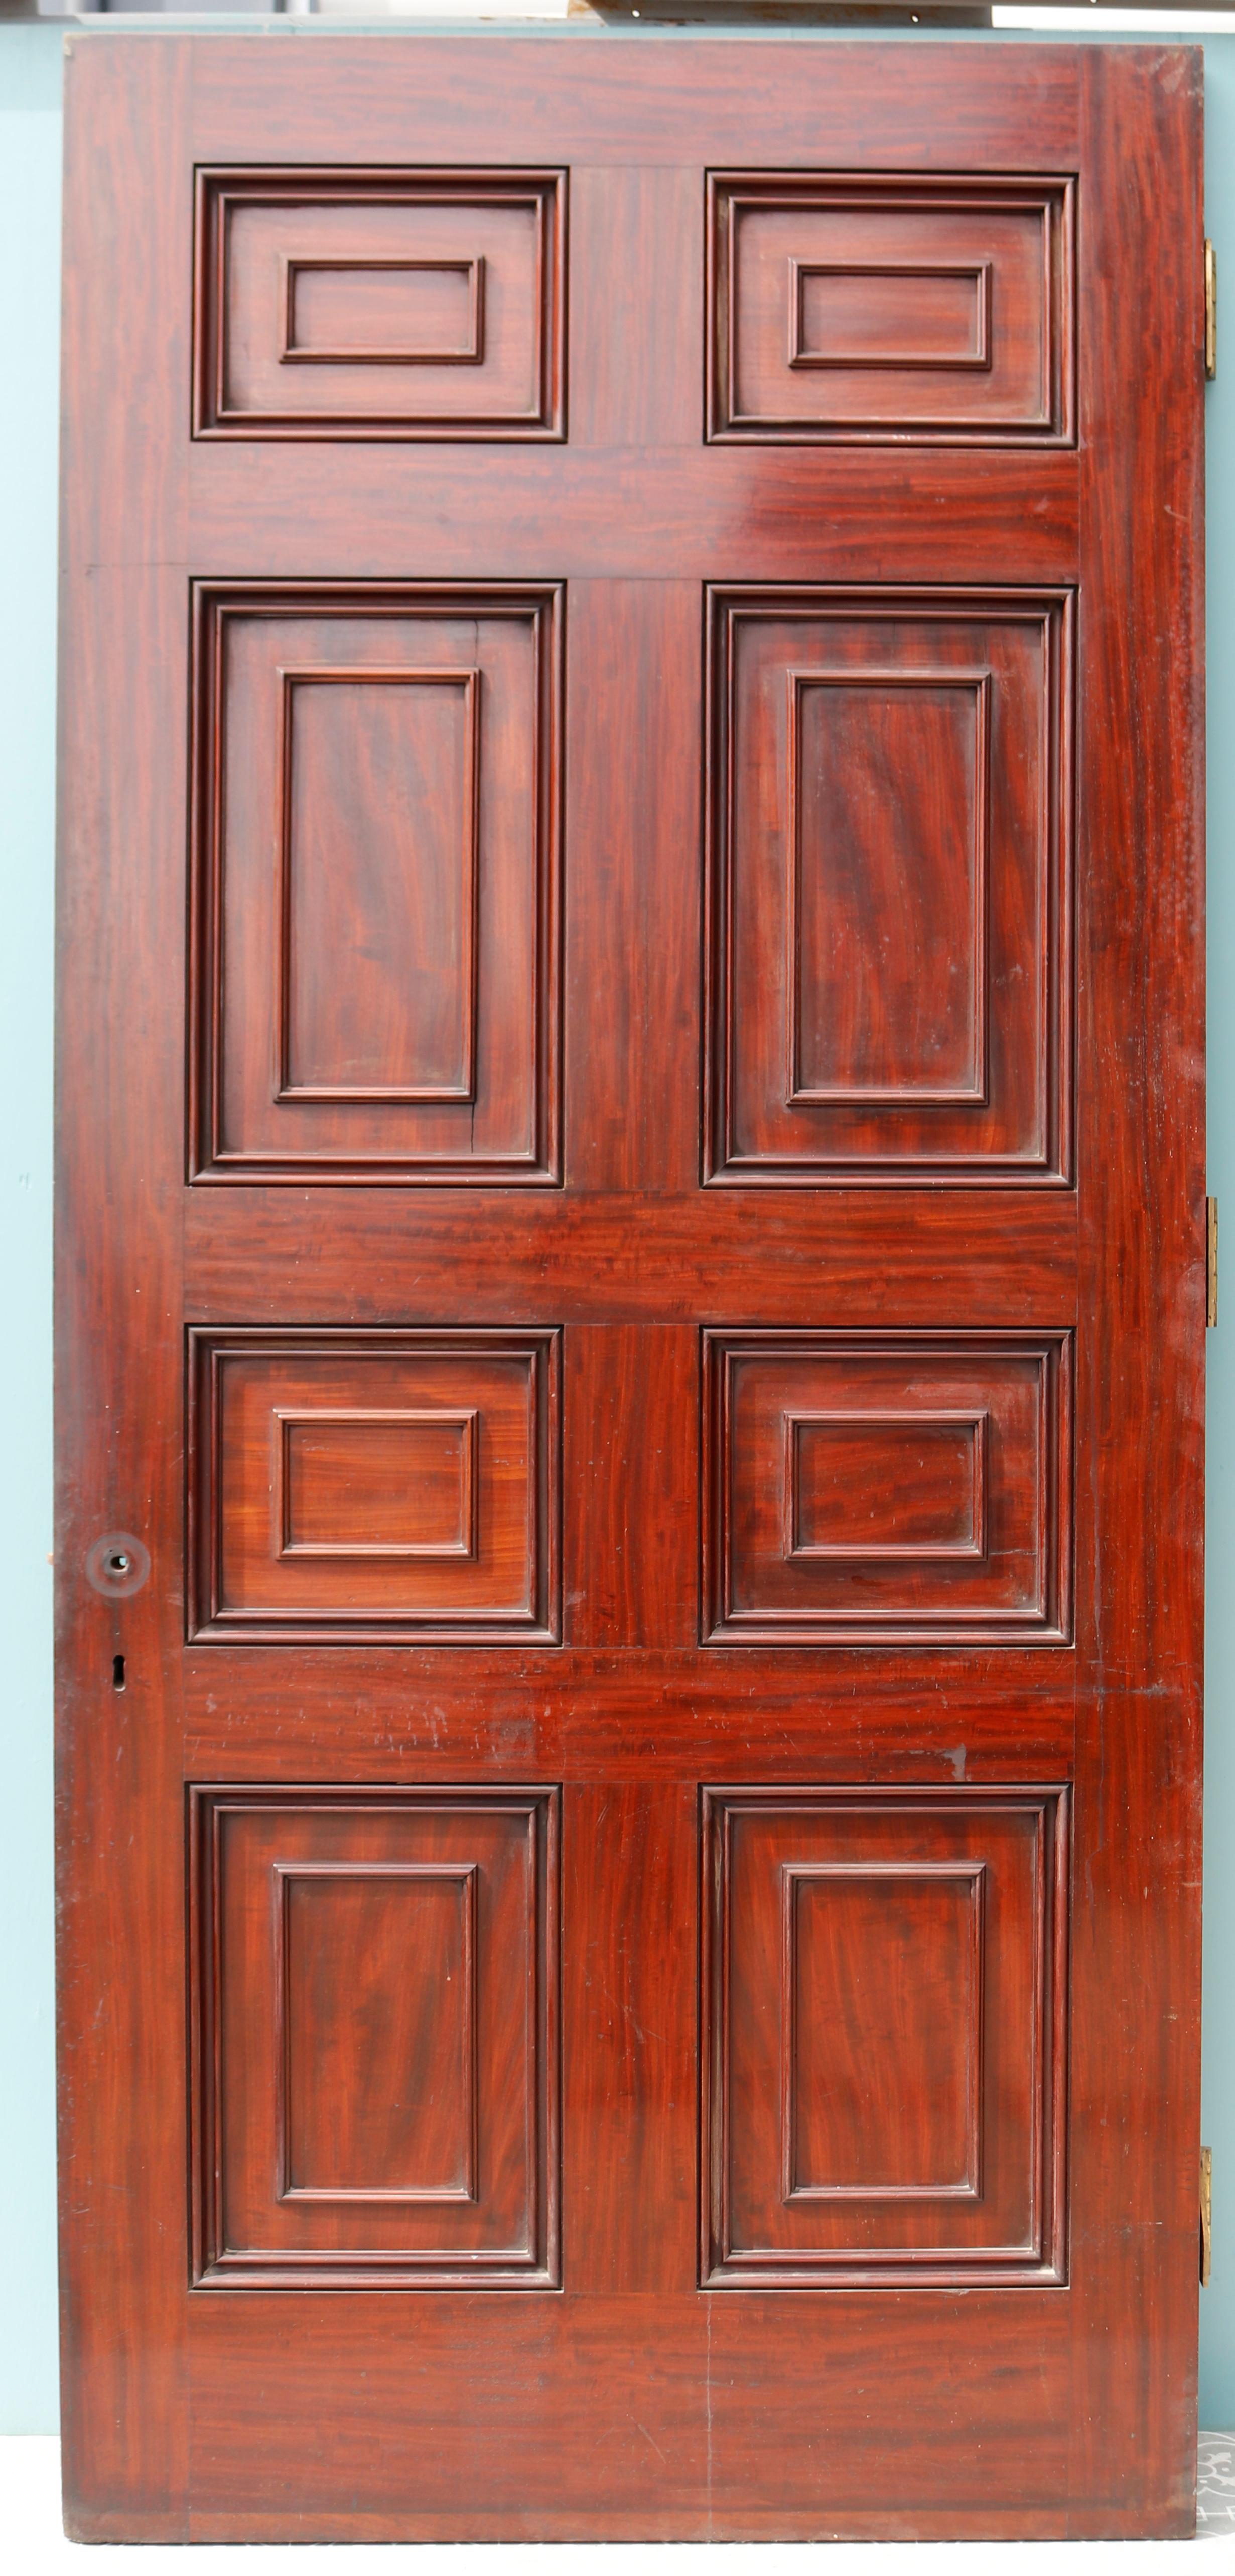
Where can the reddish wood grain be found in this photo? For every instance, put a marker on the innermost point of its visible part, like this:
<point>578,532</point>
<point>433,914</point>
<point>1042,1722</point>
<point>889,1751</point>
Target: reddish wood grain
<point>909,2077</point>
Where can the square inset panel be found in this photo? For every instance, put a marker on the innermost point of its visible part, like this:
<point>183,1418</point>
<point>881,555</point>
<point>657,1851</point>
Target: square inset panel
<point>889,886</point>
<point>375,2030</point>
<point>387,1485</point>
<point>380,304</point>
<point>884,2059</point>
<point>891,307</point>
<point>887,1489</point>
<point>375,909</point>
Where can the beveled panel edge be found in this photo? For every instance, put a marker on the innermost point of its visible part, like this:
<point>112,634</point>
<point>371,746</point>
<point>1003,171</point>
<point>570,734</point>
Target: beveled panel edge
<point>1055,604</point>
<point>1058,191</point>
<point>211,602</point>
<point>1054,1347</point>
<point>540,2266</point>
<point>212,185</point>
<point>1047,2265</point>
<point>206,1626</point>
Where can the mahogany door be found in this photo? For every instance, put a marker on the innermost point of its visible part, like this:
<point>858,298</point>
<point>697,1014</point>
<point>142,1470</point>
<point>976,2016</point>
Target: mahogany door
<point>631,1288</point>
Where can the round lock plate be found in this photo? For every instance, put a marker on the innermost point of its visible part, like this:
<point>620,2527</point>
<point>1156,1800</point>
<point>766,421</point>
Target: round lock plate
<point>118,1564</point>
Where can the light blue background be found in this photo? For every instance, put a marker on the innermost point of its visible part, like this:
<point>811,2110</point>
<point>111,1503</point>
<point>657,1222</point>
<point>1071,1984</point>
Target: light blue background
<point>30,60</point>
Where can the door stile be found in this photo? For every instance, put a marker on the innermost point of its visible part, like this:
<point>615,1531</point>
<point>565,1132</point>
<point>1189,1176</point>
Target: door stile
<point>119,1300</point>
<point>1136,1967</point>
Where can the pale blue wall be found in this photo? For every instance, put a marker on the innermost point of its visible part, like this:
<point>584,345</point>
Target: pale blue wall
<point>29,250</point>
<point>29,338</point>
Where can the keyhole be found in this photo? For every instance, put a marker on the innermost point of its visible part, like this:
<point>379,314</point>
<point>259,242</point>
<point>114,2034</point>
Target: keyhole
<point>117,1672</point>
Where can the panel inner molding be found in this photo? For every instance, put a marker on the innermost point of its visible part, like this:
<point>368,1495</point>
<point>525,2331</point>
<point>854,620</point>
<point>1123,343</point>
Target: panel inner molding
<point>960,2176</point>
<point>438,1451</point>
<point>850,293</point>
<point>468,275</point>
<point>952,1443</point>
<point>327,1878</point>
<point>454,1035</point>
<point>933,696</point>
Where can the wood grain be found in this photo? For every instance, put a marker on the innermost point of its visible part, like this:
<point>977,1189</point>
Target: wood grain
<point>410,734</point>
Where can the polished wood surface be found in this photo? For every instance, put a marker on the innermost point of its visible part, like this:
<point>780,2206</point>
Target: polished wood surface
<point>408,747</point>
<point>850,310</point>
<point>452,287</point>
<point>886,1491</point>
<point>899,2112</point>
<point>402,1950</point>
<point>632,1257</point>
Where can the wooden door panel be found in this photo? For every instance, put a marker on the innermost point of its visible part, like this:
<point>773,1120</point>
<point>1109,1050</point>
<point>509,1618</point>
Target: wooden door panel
<point>917,1491</point>
<point>422,304</point>
<point>875,307</point>
<point>698,698</point>
<point>376,897</point>
<point>890,887</point>
<point>405,1485</point>
<point>884,2037</point>
<point>375,2011</point>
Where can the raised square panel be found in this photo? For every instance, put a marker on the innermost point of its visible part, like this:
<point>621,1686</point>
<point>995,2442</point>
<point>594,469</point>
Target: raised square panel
<point>380,304</point>
<point>884,2050</point>
<point>893,307</point>
<point>375,2037</point>
<point>889,886</point>
<point>387,1485</point>
<point>375,900</point>
<point>889,1490</point>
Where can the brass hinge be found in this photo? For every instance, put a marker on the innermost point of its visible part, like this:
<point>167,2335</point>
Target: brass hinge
<point>1211,310</point>
<point>1207,2214</point>
<point>1211,1261</point>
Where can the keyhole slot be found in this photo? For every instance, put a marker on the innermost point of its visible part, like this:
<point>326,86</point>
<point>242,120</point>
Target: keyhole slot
<point>117,1672</point>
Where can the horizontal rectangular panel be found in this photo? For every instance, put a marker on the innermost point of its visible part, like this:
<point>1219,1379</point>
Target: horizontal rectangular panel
<point>399,1485</point>
<point>994,1256</point>
<point>375,897</point>
<point>915,1491</point>
<point>885,2047</point>
<point>380,303</point>
<point>889,987</point>
<point>892,307</point>
<point>375,2066</point>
